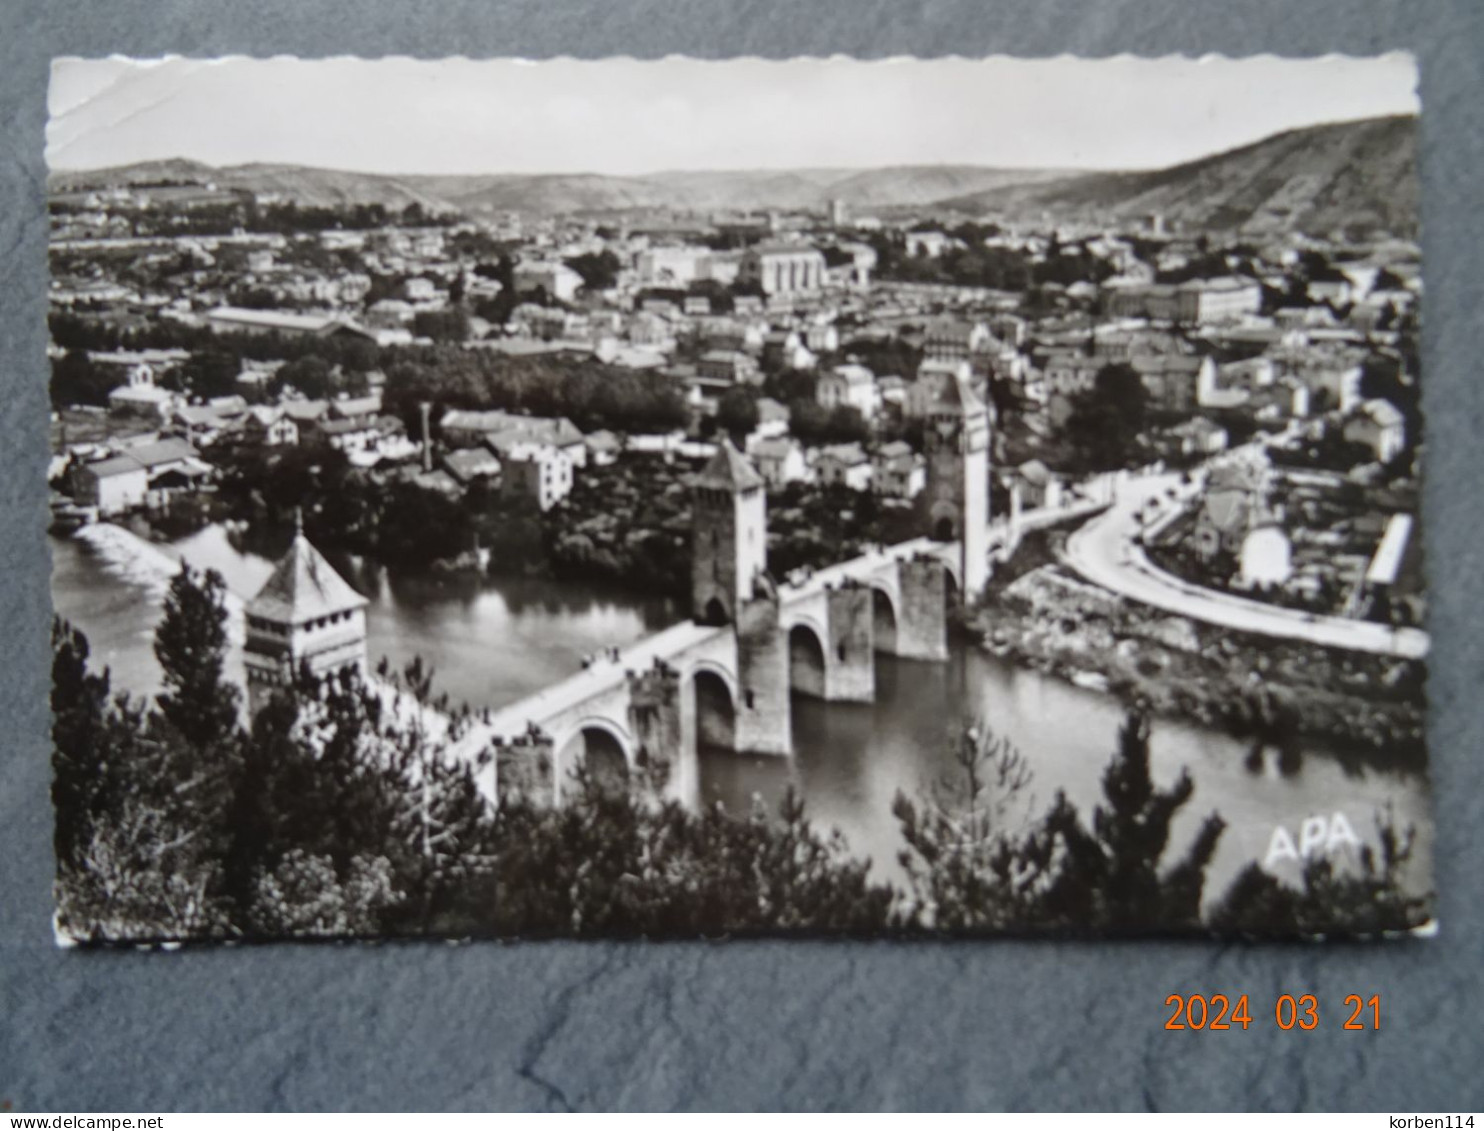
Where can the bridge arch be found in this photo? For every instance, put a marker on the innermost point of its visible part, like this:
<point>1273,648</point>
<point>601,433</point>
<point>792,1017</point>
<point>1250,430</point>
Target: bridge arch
<point>883,619</point>
<point>603,745</point>
<point>713,695</point>
<point>807,659</point>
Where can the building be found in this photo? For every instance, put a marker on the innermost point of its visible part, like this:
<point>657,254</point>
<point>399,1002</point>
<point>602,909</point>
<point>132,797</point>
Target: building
<point>780,461</point>
<point>783,269</point>
<point>672,266</point>
<point>603,447</point>
<point>556,279</point>
<point>1225,299</point>
<point>1266,557</point>
<point>1380,426</point>
<point>772,418</point>
<point>270,427</point>
<point>1173,379</point>
<point>536,471</point>
<point>822,337</point>
<point>114,485</point>
<point>231,319</point>
<point>306,616</point>
<point>139,396</point>
<point>501,430</point>
<point>348,436</point>
<point>934,378</point>
<point>1032,486</point>
<point>732,366</point>
<point>729,537</point>
<point>953,339</point>
<point>468,464</point>
<point>850,385</point>
<point>1198,437</point>
<point>956,438</point>
<point>898,472</point>
<point>1233,505</point>
<point>843,465</point>
<point>1070,372</point>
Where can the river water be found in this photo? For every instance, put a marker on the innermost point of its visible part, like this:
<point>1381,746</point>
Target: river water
<point>496,641</point>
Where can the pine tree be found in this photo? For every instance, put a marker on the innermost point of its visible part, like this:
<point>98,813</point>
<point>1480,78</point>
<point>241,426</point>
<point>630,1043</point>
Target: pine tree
<point>80,771</point>
<point>191,645</point>
<point>1110,876</point>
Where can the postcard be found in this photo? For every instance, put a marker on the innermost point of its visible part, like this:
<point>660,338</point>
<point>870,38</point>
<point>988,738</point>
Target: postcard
<point>682,498</point>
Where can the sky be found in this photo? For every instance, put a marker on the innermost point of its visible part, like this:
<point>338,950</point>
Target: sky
<point>626,117</point>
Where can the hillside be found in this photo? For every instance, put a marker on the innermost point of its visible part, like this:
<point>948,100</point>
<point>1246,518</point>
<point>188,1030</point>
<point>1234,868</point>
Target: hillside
<point>699,191</point>
<point>1361,174</point>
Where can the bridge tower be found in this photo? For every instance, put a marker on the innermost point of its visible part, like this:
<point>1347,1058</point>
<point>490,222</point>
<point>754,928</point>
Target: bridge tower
<point>729,527</point>
<point>956,439</point>
<point>730,586</point>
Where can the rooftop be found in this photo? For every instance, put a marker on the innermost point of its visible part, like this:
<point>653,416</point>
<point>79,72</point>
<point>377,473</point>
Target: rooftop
<point>303,587</point>
<point>728,470</point>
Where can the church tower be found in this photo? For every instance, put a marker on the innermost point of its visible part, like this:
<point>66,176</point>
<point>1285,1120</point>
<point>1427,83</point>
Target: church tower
<point>956,438</point>
<point>729,536</point>
<point>305,613</point>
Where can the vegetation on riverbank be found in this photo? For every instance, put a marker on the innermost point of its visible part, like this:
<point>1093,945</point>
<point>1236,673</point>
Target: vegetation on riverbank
<point>1274,693</point>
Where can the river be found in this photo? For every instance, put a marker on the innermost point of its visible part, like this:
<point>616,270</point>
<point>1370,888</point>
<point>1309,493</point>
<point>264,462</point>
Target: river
<point>497,641</point>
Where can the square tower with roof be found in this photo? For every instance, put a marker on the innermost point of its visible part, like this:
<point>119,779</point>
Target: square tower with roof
<point>729,533</point>
<point>956,441</point>
<point>305,615</point>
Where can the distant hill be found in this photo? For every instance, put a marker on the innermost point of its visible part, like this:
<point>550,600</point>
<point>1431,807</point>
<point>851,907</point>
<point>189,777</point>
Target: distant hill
<point>577,192</point>
<point>1356,174</point>
<point>1352,173</point>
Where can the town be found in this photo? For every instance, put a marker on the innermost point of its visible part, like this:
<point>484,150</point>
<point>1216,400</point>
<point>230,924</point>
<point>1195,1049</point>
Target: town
<point>466,378</point>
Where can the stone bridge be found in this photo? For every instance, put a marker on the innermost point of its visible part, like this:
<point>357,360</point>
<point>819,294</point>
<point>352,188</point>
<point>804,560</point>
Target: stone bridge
<point>651,704</point>
<point>726,678</point>
<point>655,701</point>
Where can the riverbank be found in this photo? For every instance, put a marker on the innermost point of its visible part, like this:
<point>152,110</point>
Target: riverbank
<point>1273,693</point>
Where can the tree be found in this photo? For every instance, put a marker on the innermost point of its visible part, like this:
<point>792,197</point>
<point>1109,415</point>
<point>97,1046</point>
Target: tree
<point>209,373</point>
<point>964,867</point>
<point>450,325</point>
<point>1105,422</point>
<point>616,862</point>
<point>599,270</point>
<point>84,767</point>
<point>191,646</point>
<point>77,381</point>
<point>310,375</point>
<point>1110,876</point>
<point>737,410</point>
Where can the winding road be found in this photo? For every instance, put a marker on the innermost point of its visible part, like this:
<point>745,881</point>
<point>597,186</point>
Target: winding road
<point>1104,552</point>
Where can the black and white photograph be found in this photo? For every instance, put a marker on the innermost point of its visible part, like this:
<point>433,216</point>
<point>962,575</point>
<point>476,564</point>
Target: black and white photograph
<point>676,499</point>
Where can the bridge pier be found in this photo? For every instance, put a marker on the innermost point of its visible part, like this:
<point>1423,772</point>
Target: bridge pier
<point>525,768</point>
<point>850,666</point>
<point>922,622</point>
<point>763,720</point>
<point>655,722</point>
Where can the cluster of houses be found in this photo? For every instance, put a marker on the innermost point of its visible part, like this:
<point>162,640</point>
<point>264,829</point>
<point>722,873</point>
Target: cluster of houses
<point>721,303</point>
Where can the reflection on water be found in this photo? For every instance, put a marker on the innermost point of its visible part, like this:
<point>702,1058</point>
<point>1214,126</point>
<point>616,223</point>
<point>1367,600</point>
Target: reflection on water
<point>493,642</point>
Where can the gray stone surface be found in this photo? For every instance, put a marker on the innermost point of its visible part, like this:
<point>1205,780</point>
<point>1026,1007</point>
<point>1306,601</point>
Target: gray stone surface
<point>742,1025</point>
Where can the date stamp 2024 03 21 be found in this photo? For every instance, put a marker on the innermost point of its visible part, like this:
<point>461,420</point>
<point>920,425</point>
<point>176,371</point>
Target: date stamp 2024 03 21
<point>1204,1012</point>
